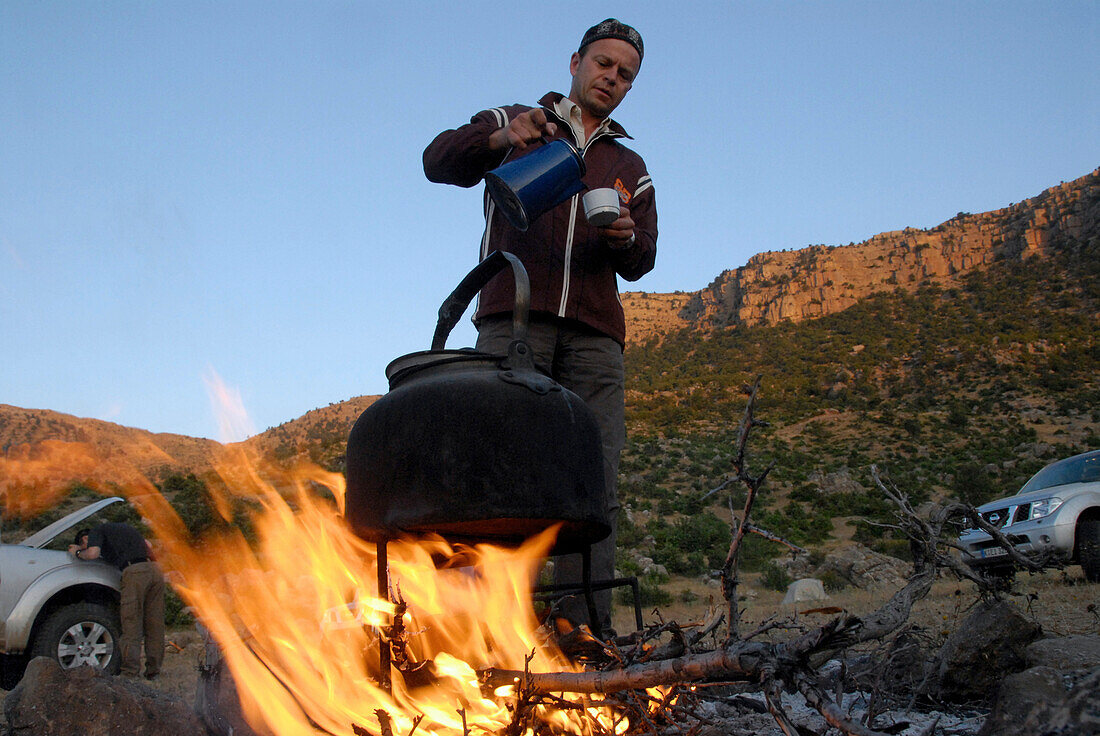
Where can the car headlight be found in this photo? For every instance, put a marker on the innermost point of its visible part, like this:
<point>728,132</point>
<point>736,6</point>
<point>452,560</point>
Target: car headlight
<point>1044,507</point>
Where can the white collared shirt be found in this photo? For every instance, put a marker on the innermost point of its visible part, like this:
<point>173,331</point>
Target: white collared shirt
<point>571,111</point>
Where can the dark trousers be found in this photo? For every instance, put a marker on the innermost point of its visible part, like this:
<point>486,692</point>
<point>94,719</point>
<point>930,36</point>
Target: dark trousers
<point>142,613</point>
<point>589,364</point>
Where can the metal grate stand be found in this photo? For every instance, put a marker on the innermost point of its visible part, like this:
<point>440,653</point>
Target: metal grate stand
<point>588,587</point>
<point>385,657</point>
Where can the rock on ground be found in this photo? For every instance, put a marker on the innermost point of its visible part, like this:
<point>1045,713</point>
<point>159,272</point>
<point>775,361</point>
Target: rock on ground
<point>1058,694</point>
<point>1019,694</point>
<point>1076,713</point>
<point>50,701</point>
<point>1065,653</point>
<point>986,647</point>
<point>856,565</point>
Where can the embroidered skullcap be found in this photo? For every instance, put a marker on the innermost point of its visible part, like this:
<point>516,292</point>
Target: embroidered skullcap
<point>612,28</point>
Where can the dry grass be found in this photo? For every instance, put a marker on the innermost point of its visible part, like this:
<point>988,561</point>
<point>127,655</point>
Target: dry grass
<point>1061,601</point>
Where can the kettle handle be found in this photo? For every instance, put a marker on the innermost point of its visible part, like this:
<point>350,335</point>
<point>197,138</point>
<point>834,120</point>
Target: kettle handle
<point>455,305</point>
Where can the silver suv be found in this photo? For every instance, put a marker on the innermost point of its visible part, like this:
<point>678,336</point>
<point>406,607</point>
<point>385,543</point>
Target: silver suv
<point>1056,516</point>
<point>53,606</point>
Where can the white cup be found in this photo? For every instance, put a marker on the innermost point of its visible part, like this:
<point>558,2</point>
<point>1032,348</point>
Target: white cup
<point>601,206</point>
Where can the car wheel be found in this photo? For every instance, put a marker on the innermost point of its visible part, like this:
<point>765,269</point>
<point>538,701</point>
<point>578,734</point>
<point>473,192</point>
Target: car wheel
<point>1088,548</point>
<point>81,634</point>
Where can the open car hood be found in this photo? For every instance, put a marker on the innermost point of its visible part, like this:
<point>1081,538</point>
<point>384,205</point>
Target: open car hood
<point>45,536</point>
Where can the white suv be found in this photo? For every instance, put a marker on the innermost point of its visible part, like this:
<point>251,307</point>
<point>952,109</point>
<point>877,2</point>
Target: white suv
<point>53,606</point>
<point>1056,515</point>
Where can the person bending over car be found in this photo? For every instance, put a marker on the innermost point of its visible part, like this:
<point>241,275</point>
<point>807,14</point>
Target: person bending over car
<point>142,594</point>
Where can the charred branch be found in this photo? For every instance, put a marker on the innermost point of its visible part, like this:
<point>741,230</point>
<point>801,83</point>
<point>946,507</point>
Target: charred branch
<point>828,709</point>
<point>745,660</point>
<point>384,722</point>
<point>773,698</point>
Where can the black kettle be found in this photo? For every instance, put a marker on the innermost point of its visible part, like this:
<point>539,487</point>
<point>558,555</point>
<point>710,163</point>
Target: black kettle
<point>477,447</point>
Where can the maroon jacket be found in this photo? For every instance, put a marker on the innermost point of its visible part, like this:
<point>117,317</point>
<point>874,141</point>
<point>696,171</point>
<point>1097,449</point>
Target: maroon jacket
<point>573,274</point>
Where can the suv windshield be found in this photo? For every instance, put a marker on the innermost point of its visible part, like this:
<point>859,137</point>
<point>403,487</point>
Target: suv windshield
<point>1081,469</point>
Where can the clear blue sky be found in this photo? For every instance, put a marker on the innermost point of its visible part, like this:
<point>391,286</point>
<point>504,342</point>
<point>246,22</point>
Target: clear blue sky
<point>236,187</point>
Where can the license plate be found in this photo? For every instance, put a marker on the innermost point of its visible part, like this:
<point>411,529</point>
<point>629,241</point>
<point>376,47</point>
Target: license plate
<point>994,552</point>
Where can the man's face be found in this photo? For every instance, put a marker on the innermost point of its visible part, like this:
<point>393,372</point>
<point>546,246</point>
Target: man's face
<point>603,76</point>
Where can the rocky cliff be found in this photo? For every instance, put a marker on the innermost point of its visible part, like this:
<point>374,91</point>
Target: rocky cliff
<point>820,279</point>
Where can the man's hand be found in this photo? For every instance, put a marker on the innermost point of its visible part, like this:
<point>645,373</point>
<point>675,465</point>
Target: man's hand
<point>619,234</point>
<point>73,549</point>
<point>526,127</point>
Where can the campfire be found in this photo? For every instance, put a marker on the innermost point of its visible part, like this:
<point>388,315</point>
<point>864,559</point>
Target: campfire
<point>299,620</point>
<point>288,590</point>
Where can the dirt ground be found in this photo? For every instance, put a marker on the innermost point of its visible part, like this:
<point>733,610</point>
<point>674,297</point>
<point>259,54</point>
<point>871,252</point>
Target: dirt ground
<point>180,672</point>
<point>183,656</point>
<point>1061,601</point>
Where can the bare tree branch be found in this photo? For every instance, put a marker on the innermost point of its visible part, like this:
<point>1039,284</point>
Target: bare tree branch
<point>730,574</point>
<point>752,528</point>
<point>773,698</point>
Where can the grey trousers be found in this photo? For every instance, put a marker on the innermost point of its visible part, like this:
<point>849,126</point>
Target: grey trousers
<point>589,364</point>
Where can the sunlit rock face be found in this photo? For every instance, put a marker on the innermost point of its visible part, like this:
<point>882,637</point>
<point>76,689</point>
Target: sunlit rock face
<point>820,280</point>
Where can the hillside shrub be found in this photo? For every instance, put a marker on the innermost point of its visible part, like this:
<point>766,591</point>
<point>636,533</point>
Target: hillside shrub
<point>898,548</point>
<point>973,484</point>
<point>176,613</point>
<point>649,591</point>
<point>775,577</point>
<point>832,582</point>
<point>191,499</point>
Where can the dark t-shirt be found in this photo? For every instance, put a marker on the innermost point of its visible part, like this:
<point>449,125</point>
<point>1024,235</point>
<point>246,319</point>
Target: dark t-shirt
<point>119,543</point>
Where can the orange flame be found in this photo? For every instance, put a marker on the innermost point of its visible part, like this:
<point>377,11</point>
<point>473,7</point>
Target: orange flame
<point>296,612</point>
<point>298,616</point>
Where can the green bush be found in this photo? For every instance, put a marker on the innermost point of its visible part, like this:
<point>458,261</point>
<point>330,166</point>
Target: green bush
<point>176,613</point>
<point>755,553</point>
<point>973,484</point>
<point>191,500</point>
<point>775,577</point>
<point>832,582</point>
<point>898,548</point>
<point>649,590</point>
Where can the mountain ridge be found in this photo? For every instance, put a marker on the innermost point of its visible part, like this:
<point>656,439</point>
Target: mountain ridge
<point>148,451</point>
<point>818,280</point>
